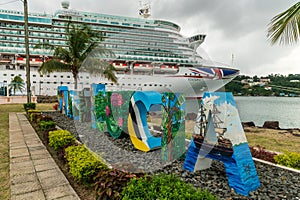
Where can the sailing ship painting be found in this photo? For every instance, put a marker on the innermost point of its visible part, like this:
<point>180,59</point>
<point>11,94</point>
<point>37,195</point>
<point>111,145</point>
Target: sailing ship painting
<point>211,137</point>
<point>217,129</point>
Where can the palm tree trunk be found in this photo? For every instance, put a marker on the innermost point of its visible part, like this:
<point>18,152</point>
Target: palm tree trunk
<point>75,80</point>
<point>27,52</point>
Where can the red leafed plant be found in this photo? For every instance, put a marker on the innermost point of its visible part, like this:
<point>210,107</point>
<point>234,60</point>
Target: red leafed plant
<point>55,107</point>
<point>260,153</point>
<point>110,183</point>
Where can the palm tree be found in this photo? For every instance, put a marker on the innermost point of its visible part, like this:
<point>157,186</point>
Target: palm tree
<point>83,53</point>
<point>17,84</point>
<point>285,27</point>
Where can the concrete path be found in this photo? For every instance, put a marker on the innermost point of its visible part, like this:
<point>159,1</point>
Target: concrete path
<point>34,175</point>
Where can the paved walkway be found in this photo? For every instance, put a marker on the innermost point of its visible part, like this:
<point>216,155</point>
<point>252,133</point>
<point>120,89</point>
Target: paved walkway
<point>34,175</point>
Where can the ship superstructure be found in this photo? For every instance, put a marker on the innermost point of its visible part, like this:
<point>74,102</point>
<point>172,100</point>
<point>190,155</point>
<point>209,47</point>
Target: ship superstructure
<point>149,54</point>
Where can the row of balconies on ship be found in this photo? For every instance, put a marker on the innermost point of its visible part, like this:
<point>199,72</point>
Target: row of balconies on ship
<point>54,30</point>
<point>40,29</point>
<point>48,30</point>
<point>48,36</point>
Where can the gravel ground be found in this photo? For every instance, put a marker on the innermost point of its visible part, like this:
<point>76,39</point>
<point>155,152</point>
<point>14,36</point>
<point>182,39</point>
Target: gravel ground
<point>276,183</point>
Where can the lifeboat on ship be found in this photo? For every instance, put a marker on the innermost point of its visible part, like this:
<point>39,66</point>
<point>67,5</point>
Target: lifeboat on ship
<point>5,60</point>
<point>120,66</point>
<point>33,61</point>
<point>142,67</point>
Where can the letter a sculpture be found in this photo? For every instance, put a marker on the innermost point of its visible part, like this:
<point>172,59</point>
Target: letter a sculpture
<point>219,135</point>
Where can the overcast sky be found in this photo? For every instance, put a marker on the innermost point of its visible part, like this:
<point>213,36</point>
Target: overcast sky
<point>233,27</point>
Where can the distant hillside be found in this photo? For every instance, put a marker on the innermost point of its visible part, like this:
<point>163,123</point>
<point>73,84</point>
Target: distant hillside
<point>271,85</point>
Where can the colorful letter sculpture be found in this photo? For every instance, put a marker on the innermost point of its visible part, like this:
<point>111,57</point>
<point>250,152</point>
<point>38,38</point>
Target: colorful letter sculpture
<point>118,111</point>
<point>225,142</point>
<point>63,93</point>
<point>98,104</point>
<point>138,129</point>
<point>74,104</point>
<point>173,122</point>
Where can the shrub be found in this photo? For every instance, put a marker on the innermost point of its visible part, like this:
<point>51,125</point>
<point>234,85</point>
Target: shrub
<point>33,111</point>
<point>289,159</point>
<point>162,186</point>
<point>29,106</point>
<point>33,114</point>
<point>47,125</point>
<point>260,153</point>
<point>83,164</point>
<point>110,183</point>
<point>45,118</point>
<point>59,139</point>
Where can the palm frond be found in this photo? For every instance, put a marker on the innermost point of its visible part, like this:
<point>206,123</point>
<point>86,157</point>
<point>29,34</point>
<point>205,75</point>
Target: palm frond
<point>62,54</point>
<point>95,66</point>
<point>45,45</point>
<point>82,51</point>
<point>15,86</point>
<point>100,52</point>
<point>109,73</point>
<point>284,28</point>
<point>53,66</point>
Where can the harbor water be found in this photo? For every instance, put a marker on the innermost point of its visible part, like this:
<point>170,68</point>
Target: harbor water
<point>286,110</point>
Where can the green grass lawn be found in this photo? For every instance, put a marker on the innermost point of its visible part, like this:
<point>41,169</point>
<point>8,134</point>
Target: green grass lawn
<point>274,140</point>
<point>4,143</point>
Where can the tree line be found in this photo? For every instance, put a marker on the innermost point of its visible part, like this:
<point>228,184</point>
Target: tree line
<point>278,85</point>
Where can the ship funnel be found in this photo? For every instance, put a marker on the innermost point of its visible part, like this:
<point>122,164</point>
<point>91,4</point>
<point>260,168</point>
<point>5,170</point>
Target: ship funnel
<point>65,4</point>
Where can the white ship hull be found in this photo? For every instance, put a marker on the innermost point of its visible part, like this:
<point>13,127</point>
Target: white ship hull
<point>186,81</point>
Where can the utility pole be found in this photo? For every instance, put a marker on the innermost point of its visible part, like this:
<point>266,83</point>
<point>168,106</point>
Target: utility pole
<point>27,51</point>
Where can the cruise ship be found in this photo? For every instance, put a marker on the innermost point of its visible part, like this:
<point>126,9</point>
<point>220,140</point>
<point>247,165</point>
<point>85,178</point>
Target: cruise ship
<point>149,54</point>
